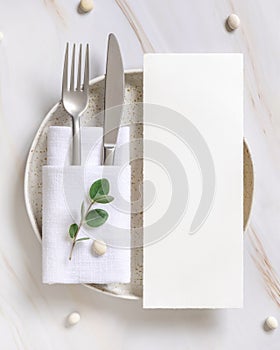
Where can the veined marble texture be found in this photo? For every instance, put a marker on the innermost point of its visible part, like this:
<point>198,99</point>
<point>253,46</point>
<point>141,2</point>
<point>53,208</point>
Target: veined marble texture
<point>32,315</point>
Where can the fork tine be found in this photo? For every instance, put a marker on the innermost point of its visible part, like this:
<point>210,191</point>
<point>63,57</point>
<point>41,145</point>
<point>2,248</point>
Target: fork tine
<point>65,70</point>
<point>86,74</point>
<point>79,69</point>
<point>73,69</point>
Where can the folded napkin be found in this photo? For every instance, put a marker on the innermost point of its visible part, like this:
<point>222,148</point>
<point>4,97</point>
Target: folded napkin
<point>65,187</point>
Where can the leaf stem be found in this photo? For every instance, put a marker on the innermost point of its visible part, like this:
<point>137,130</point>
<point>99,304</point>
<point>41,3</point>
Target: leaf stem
<point>79,227</point>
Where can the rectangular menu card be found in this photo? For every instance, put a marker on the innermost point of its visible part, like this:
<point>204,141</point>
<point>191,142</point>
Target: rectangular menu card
<point>193,181</point>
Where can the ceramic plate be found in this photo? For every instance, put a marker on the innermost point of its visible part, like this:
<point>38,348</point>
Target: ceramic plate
<point>38,155</point>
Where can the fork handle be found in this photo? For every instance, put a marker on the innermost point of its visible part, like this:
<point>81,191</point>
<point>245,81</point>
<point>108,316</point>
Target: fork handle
<point>76,150</point>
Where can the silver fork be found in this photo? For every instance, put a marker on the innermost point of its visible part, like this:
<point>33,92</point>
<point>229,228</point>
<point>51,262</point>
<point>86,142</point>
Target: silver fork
<point>75,97</point>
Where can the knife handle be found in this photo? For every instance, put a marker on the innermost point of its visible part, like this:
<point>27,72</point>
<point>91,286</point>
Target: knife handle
<point>109,155</point>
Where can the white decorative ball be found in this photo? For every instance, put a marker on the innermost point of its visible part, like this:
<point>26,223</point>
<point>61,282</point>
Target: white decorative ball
<point>99,247</point>
<point>233,21</point>
<point>86,5</point>
<point>74,318</point>
<point>1,36</point>
<point>271,322</point>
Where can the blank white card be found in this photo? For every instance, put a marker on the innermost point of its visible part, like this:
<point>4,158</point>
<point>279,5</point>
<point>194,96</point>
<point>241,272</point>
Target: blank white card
<point>193,181</point>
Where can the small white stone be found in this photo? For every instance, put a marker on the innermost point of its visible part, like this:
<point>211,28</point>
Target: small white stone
<point>271,322</point>
<point>86,5</point>
<point>74,318</point>
<point>1,36</point>
<point>99,247</point>
<point>233,21</point>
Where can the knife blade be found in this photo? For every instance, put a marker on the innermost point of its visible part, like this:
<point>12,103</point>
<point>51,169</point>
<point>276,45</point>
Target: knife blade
<point>114,98</point>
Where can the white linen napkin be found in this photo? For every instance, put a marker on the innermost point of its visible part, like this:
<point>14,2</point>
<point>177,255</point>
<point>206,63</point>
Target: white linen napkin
<point>64,189</point>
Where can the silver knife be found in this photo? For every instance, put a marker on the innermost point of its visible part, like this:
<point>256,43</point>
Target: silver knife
<point>114,98</point>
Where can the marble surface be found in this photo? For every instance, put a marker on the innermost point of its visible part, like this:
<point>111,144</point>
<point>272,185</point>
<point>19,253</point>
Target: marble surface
<point>32,315</point>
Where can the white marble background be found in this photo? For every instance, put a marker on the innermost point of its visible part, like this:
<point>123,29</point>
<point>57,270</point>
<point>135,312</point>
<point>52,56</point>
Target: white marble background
<point>32,315</point>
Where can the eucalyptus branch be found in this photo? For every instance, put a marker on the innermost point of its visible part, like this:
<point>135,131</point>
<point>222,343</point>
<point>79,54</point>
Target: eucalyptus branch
<point>98,193</point>
<point>75,240</point>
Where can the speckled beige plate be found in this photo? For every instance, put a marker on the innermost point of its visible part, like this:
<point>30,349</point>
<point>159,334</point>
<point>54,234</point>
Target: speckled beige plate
<point>37,158</point>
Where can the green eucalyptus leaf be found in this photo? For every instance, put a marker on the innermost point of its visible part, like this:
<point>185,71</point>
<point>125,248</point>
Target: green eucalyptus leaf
<point>73,229</point>
<point>104,199</point>
<point>99,188</point>
<point>96,217</point>
<point>82,239</point>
